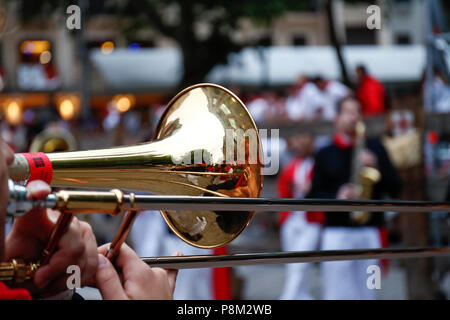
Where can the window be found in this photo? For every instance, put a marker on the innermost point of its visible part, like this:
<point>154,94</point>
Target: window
<point>360,36</point>
<point>265,41</point>
<point>403,39</point>
<point>299,40</point>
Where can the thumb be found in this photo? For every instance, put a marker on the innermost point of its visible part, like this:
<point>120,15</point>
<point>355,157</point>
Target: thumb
<point>172,278</point>
<point>107,280</point>
<point>173,273</point>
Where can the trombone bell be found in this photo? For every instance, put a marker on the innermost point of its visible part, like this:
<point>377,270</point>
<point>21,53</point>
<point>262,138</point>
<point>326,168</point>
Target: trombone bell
<point>206,144</point>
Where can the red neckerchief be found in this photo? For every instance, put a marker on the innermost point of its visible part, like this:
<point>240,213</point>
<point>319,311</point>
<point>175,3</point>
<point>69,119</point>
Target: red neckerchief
<point>343,141</point>
<point>13,294</point>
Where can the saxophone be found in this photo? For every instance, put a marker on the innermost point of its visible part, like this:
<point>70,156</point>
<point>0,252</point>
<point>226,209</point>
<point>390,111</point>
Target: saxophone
<point>362,176</point>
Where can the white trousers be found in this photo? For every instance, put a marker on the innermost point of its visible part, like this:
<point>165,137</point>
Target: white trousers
<point>151,238</point>
<point>347,280</point>
<point>148,233</point>
<point>297,234</point>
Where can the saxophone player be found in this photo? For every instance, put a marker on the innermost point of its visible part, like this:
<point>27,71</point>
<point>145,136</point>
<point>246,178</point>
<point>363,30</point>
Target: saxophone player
<point>332,179</point>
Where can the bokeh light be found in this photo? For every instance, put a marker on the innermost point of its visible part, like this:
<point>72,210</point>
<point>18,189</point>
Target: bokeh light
<point>34,46</point>
<point>45,57</point>
<point>123,103</point>
<point>13,111</point>
<point>68,107</point>
<point>134,46</point>
<point>107,47</point>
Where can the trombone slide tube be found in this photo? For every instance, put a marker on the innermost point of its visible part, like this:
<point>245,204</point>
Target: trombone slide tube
<point>234,260</point>
<point>115,202</point>
<point>145,202</point>
<point>18,271</point>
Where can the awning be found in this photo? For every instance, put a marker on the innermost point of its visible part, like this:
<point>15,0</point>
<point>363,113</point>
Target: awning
<point>156,68</point>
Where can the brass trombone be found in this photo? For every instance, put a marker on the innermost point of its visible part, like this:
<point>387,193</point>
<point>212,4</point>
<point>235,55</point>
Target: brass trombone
<point>206,143</point>
<point>194,137</point>
<point>205,160</point>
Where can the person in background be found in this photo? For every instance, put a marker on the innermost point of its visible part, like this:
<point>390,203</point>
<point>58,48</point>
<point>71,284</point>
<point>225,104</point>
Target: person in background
<point>259,107</point>
<point>331,180</point>
<point>332,91</point>
<point>299,230</point>
<point>305,103</point>
<point>439,90</point>
<point>370,93</point>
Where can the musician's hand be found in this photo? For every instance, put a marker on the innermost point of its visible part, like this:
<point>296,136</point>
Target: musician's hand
<point>6,159</point>
<point>348,191</point>
<point>368,159</point>
<point>134,279</point>
<point>30,234</point>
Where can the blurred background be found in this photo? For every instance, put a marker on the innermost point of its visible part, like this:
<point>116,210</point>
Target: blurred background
<point>104,70</point>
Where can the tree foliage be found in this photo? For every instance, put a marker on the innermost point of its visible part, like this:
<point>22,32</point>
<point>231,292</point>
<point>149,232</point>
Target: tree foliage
<point>205,30</point>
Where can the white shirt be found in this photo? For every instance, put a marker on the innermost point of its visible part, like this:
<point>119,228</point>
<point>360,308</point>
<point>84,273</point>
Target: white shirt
<point>334,91</point>
<point>304,104</point>
<point>258,108</point>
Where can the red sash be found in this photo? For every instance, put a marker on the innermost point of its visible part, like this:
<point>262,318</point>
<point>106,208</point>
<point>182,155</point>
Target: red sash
<point>13,294</point>
<point>221,279</point>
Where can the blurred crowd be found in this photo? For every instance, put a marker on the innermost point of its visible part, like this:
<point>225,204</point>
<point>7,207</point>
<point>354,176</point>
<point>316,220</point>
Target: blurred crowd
<point>316,98</point>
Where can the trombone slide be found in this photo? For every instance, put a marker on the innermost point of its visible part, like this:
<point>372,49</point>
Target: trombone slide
<point>115,202</point>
